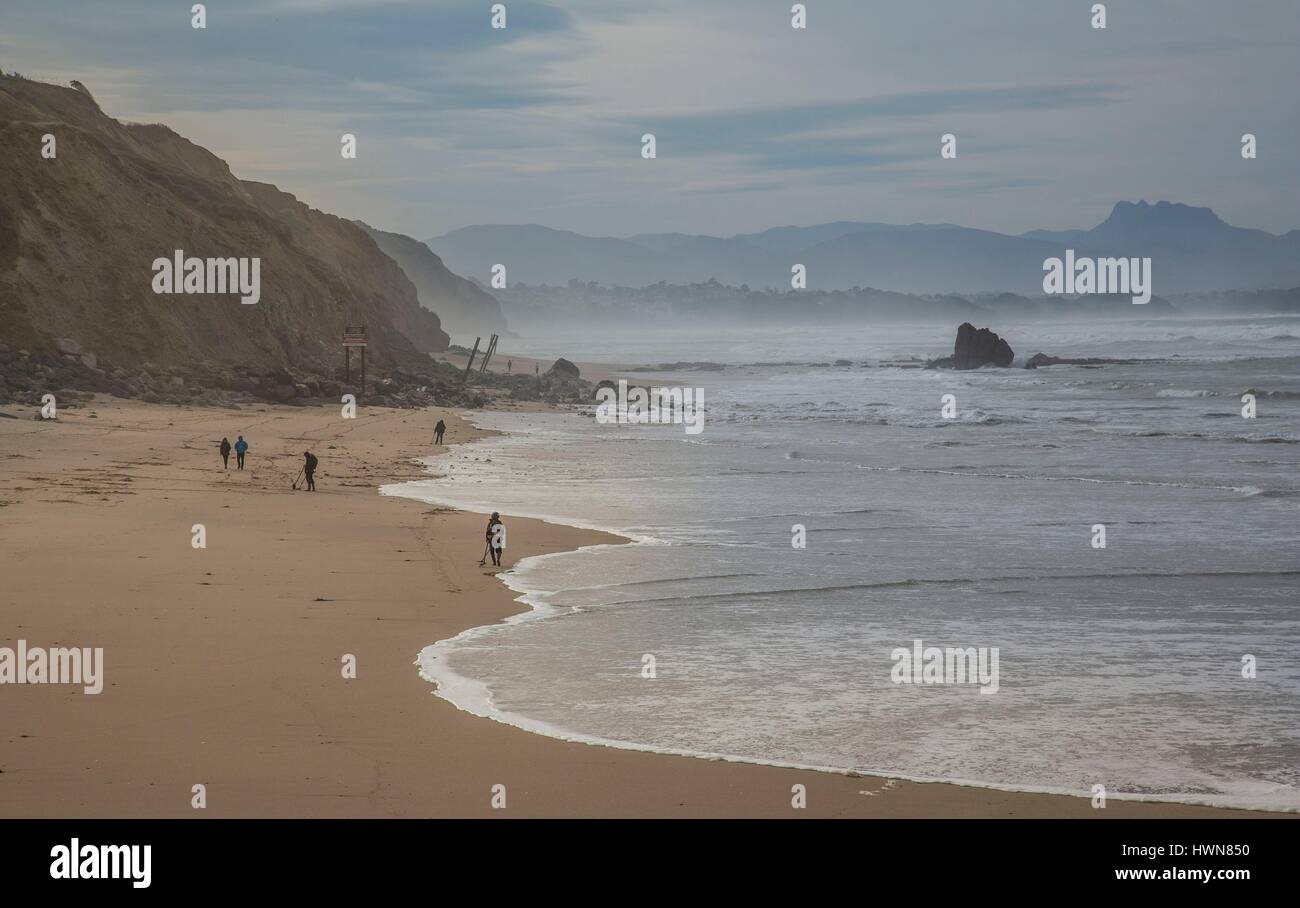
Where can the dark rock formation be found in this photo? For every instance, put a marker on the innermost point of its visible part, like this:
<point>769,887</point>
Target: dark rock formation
<point>681,366</point>
<point>564,369</point>
<point>24,378</point>
<point>1042,359</point>
<point>975,348</point>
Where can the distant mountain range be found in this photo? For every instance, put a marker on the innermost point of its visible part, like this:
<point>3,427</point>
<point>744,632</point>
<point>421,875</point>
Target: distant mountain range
<point>465,310</point>
<point>1192,250</point>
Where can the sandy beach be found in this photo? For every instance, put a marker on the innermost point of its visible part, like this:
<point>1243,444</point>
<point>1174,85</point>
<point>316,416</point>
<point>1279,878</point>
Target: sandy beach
<point>223,665</point>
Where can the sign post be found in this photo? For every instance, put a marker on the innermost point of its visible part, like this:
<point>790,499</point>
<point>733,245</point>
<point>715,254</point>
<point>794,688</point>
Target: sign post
<point>354,336</point>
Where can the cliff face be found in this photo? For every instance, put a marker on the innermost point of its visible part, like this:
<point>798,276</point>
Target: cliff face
<point>466,311</point>
<point>79,234</point>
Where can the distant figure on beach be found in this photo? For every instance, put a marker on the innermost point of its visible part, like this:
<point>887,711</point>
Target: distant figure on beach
<point>510,365</point>
<point>496,538</point>
<point>224,448</point>
<point>537,369</point>
<point>437,432</point>
<point>241,448</point>
<point>309,470</point>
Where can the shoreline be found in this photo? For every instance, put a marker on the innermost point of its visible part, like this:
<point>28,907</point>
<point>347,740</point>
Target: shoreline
<point>222,665</point>
<point>473,696</point>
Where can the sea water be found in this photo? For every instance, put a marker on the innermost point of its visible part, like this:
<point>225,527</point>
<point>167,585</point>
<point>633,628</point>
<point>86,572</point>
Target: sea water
<point>1120,666</point>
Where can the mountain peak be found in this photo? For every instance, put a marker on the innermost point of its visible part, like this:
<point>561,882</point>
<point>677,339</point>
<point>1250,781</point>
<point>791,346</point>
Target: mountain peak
<point>1166,215</point>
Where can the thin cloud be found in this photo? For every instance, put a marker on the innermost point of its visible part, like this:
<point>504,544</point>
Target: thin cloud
<point>459,123</point>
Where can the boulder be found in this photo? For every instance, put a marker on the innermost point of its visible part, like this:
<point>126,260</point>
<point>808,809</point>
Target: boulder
<point>980,347</point>
<point>67,346</point>
<point>564,369</point>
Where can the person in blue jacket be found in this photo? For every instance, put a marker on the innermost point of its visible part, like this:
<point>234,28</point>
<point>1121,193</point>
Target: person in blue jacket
<point>241,447</point>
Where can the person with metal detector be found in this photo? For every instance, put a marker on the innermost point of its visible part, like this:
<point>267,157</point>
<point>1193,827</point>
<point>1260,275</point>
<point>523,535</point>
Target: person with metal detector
<point>309,470</point>
<point>496,540</point>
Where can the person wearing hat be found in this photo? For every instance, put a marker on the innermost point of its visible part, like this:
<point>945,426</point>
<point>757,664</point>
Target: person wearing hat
<point>496,538</point>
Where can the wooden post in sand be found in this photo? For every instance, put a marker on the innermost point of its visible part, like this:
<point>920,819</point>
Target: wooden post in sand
<point>487,354</point>
<point>470,365</point>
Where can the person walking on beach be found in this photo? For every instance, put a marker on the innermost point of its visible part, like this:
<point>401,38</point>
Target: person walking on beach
<point>510,366</point>
<point>224,448</point>
<point>309,469</point>
<point>241,448</point>
<point>437,432</point>
<point>496,538</point>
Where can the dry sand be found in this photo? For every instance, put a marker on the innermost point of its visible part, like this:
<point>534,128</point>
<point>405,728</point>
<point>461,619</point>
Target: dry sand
<point>223,665</point>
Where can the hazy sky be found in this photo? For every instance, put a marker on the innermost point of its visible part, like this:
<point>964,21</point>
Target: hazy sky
<point>757,124</point>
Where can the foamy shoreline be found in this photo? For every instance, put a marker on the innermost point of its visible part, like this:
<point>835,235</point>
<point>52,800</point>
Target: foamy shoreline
<point>474,697</point>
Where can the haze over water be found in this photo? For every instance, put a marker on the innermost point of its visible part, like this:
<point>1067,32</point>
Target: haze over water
<point>1119,666</point>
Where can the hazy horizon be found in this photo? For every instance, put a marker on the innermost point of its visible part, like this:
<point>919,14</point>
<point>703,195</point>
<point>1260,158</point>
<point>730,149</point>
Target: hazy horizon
<point>636,234</point>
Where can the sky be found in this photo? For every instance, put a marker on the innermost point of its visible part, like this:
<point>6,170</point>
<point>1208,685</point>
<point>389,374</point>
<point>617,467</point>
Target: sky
<point>757,124</point>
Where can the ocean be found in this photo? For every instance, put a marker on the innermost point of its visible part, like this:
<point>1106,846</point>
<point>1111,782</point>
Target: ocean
<point>1123,666</point>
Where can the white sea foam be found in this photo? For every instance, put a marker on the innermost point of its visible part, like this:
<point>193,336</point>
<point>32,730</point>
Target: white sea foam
<point>1185,393</point>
